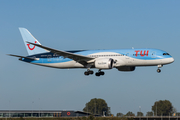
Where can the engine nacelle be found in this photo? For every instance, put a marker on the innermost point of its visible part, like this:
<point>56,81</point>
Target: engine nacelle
<point>104,63</point>
<point>126,68</point>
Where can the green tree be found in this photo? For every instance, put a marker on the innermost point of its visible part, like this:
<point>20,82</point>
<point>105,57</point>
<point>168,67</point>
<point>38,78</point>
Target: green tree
<point>130,114</point>
<point>163,107</point>
<point>119,115</point>
<point>149,113</point>
<point>97,106</point>
<point>139,114</point>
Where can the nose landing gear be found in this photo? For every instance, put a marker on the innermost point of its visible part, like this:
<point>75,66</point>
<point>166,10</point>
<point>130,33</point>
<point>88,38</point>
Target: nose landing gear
<point>159,70</point>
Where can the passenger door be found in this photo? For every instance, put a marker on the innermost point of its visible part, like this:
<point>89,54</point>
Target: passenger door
<point>153,54</point>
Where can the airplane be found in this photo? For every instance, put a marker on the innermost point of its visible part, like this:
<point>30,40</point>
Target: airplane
<point>121,59</point>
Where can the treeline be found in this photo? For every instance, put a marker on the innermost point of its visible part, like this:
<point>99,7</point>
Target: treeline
<point>160,108</point>
<point>70,118</point>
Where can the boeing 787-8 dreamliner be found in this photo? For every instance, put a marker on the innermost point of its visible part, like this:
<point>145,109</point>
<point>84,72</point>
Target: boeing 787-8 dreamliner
<point>121,59</point>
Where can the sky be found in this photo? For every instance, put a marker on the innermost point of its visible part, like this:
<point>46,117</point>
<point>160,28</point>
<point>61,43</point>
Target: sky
<point>78,25</point>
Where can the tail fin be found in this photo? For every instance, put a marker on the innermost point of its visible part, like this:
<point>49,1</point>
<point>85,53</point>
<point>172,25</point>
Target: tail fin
<point>31,49</point>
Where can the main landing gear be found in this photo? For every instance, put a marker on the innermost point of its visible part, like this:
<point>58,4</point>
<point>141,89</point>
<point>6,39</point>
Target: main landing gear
<point>159,70</point>
<point>100,73</point>
<point>90,72</point>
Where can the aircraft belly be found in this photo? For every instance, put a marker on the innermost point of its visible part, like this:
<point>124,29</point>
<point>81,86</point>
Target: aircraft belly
<point>70,64</point>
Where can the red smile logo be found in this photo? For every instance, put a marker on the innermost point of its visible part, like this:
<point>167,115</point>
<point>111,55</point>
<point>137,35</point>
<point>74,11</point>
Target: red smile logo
<point>31,48</point>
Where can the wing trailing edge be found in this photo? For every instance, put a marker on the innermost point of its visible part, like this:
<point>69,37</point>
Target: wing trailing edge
<point>76,57</point>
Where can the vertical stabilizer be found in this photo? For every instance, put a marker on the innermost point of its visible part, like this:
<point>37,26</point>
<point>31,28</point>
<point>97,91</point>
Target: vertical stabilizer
<point>31,49</point>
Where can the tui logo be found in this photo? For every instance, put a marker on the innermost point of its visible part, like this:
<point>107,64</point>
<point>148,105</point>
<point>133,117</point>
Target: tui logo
<point>141,53</point>
<point>30,47</point>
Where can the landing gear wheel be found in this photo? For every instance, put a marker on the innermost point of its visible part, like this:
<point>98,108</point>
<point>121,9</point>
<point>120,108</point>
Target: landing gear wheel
<point>101,73</point>
<point>86,73</point>
<point>91,72</point>
<point>97,74</point>
<point>158,70</point>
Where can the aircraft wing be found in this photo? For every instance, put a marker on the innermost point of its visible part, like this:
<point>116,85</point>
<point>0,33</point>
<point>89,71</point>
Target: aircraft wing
<point>21,56</point>
<point>79,58</point>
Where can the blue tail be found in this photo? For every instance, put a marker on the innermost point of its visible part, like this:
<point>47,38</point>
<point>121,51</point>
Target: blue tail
<point>31,49</point>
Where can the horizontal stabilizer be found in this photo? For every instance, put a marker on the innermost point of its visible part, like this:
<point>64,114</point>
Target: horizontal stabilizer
<point>21,56</point>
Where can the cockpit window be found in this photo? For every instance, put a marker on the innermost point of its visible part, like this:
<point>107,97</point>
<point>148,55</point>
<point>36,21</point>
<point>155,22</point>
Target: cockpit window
<point>165,53</point>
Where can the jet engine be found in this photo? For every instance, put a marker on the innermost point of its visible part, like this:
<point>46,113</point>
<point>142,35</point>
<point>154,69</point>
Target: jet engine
<point>104,63</point>
<point>126,68</point>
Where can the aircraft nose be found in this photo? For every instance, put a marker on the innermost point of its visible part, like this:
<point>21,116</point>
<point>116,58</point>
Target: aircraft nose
<point>171,60</point>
